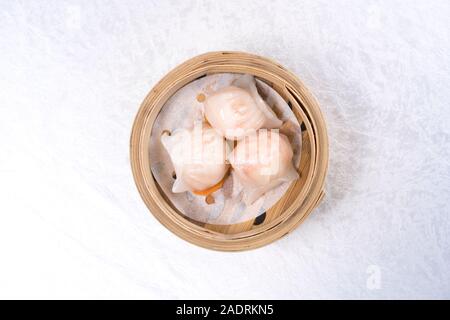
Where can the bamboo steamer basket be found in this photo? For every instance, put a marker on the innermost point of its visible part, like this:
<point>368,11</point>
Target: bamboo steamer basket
<point>300,199</point>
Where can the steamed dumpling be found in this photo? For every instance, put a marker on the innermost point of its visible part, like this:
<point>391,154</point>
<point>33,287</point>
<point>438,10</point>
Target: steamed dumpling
<point>262,161</point>
<point>198,157</point>
<point>239,110</point>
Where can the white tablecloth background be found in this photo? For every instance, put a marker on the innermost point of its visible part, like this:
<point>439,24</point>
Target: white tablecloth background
<point>72,76</point>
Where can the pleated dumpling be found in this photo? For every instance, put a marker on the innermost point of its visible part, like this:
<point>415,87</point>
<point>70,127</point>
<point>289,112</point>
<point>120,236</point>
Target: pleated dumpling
<point>199,159</point>
<point>262,161</point>
<point>238,110</point>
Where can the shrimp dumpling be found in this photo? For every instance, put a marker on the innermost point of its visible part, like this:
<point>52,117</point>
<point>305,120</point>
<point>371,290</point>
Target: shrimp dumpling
<point>261,162</point>
<point>238,110</point>
<point>199,159</point>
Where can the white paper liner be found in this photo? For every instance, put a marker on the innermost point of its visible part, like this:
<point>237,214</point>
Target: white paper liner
<point>181,111</point>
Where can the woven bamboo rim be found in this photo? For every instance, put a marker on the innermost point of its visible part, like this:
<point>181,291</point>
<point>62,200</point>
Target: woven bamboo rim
<point>300,199</point>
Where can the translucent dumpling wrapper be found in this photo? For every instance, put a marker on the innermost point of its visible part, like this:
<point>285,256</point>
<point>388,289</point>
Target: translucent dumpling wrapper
<point>182,111</point>
<point>198,157</point>
<point>238,110</point>
<point>262,161</point>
